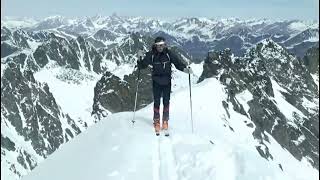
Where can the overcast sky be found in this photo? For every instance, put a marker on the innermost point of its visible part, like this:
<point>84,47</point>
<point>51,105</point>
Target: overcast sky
<point>274,9</point>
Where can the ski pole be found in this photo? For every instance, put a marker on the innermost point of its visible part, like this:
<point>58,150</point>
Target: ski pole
<point>135,101</point>
<point>190,99</point>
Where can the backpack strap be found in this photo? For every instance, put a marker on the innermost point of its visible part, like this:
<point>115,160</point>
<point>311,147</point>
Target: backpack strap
<point>152,59</point>
<point>168,57</point>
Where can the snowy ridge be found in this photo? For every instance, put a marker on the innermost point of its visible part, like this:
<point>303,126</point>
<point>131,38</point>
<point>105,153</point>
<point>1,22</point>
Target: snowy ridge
<point>136,153</point>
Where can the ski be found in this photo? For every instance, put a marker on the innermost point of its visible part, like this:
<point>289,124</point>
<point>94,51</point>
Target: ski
<point>166,133</point>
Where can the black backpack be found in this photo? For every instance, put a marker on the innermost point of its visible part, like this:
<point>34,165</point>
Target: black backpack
<point>162,63</point>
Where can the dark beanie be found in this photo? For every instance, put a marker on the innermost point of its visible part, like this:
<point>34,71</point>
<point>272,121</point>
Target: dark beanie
<point>159,39</point>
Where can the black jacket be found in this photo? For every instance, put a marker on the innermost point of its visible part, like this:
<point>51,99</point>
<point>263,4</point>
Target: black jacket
<point>161,65</point>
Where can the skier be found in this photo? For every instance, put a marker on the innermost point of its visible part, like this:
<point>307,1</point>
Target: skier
<point>160,58</point>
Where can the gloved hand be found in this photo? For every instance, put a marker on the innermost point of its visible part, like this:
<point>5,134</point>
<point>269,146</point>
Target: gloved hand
<point>188,70</point>
<point>140,57</point>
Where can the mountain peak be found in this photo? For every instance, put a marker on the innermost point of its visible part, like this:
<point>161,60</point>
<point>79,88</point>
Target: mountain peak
<point>268,43</point>
<point>54,17</point>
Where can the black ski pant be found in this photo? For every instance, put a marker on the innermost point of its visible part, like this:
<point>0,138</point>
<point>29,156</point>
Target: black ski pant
<point>158,92</point>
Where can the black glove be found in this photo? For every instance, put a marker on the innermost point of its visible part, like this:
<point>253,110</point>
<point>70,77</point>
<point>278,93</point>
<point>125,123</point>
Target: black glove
<point>140,56</point>
<point>188,70</point>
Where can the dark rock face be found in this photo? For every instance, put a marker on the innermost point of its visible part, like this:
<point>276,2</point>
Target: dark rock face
<point>311,60</point>
<point>257,71</point>
<point>105,35</point>
<point>12,42</point>
<point>7,144</point>
<point>118,95</point>
<point>233,42</point>
<point>74,53</point>
<point>57,49</point>
<point>300,49</point>
<point>196,47</point>
<point>30,108</point>
<point>7,49</point>
<point>125,53</point>
<point>92,59</point>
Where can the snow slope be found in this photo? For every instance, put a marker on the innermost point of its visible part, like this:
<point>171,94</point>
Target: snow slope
<point>115,149</point>
<point>72,89</point>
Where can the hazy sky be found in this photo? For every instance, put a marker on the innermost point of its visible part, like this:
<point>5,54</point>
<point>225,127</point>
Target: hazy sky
<point>279,9</point>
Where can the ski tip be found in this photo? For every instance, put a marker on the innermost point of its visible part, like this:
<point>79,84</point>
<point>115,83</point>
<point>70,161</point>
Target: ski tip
<point>167,135</point>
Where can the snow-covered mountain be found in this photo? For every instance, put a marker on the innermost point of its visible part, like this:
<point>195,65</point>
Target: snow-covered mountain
<point>284,96</point>
<point>46,95</point>
<point>221,147</point>
<point>195,35</point>
<point>33,125</point>
<point>85,68</point>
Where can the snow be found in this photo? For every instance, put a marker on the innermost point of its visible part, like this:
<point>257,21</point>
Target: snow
<point>15,22</point>
<point>286,108</point>
<point>114,148</point>
<point>269,53</point>
<point>311,106</point>
<point>62,34</point>
<point>33,44</point>
<point>197,68</point>
<point>3,67</point>
<point>253,21</point>
<point>75,98</point>
<point>125,69</point>
<point>10,157</point>
<point>180,80</point>
<point>312,39</point>
<point>243,98</point>
<point>23,119</point>
<point>298,26</point>
<point>110,91</point>
<point>316,79</point>
<point>54,17</point>
<point>299,140</point>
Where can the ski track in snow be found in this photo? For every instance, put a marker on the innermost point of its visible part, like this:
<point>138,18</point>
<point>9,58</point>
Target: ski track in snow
<point>167,162</point>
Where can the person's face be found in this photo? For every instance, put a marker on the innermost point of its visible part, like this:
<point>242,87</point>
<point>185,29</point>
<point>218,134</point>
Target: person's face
<point>160,47</point>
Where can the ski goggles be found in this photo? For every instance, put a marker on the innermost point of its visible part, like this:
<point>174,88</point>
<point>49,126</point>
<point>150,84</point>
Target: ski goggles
<point>161,43</point>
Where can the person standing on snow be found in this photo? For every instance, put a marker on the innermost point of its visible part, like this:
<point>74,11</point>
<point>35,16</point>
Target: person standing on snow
<point>160,58</point>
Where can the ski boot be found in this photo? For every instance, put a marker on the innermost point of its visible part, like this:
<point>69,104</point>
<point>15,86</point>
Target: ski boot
<point>165,127</point>
<point>156,125</point>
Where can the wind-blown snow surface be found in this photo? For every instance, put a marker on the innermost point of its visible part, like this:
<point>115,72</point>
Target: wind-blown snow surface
<point>115,149</point>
